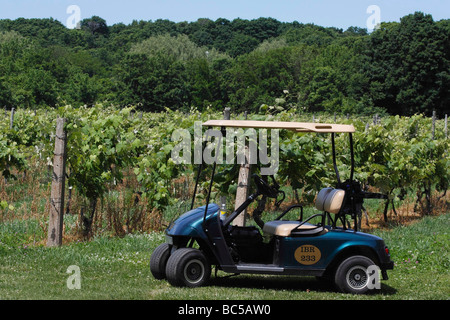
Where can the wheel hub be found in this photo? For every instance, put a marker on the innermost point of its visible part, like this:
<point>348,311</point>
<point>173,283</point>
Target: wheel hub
<point>357,277</point>
<point>194,271</point>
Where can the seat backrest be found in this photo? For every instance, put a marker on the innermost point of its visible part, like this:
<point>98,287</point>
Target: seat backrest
<point>334,201</point>
<point>330,200</point>
<point>321,197</point>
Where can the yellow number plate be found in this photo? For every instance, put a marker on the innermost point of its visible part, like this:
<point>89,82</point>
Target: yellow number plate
<point>307,254</point>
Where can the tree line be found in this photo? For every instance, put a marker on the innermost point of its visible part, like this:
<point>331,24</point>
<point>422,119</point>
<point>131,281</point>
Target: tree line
<point>400,68</point>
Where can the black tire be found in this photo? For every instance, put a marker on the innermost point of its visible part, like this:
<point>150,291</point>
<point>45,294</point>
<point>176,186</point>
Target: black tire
<point>188,267</point>
<point>158,261</point>
<point>351,275</point>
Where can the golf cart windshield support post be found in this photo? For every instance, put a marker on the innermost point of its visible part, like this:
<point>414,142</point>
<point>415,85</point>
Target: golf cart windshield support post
<point>196,183</point>
<point>209,191</point>
<point>334,158</point>
<point>241,208</point>
<point>212,178</point>
<point>200,168</point>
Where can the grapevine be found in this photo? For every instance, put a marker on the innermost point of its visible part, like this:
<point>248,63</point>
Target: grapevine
<point>397,156</point>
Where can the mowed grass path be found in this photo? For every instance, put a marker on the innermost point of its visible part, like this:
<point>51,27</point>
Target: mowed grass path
<point>117,268</point>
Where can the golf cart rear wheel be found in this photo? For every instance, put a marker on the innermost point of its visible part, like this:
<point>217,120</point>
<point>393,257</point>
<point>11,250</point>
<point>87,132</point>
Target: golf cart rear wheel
<point>158,261</point>
<point>351,276</point>
<point>188,267</point>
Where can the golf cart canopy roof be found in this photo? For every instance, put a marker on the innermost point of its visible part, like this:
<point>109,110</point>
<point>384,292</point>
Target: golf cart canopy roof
<point>293,126</point>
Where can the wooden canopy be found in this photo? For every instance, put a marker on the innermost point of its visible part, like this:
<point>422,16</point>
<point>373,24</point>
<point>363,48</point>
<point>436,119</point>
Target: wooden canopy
<point>293,126</point>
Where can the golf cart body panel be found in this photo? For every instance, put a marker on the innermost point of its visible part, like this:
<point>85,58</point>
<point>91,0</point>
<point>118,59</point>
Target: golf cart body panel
<point>205,228</point>
<point>317,252</point>
<point>295,255</point>
<point>189,224</point>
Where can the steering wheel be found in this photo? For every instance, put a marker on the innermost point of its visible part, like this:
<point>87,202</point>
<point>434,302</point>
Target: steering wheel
<point>264,188</point>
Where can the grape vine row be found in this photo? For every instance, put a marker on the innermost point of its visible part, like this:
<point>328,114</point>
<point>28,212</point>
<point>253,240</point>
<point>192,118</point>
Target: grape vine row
<point>398,155</point>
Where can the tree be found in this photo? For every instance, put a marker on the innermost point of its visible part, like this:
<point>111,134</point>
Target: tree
<point>408,67</point>
<point>42,87</point>
<point>46,32</point>
<point>202,38</point>
<point>95,25</point>
<point>205,85</point>
<point>179,73</point>
<point>154,82</point>
<point>331,80</point>
<point>356,31</point>
<point>325,91</point>
<point>5,94</point>
<point>261,76</point>
<point>82,89</point>
<point>241,44</point>
<point>310,34</point>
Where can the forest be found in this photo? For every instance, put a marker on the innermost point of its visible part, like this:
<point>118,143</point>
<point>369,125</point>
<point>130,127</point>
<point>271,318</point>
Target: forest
<point>402,68</point>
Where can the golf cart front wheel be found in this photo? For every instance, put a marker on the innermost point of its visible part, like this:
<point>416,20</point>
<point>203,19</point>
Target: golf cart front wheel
<point>158,261</point>
<point>188,267</point>
<point>352,275</point>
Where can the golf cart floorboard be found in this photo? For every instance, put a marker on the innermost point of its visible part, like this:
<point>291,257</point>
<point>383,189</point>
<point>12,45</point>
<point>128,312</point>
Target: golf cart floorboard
<point>259,267</point>
<point>275,269</point>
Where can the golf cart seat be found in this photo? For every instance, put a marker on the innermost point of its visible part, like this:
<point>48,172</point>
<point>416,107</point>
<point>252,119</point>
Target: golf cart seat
<point>285,228</point>
<point>328,199</point>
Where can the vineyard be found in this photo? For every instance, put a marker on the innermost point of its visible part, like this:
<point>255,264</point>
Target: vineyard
<point>121,178</point>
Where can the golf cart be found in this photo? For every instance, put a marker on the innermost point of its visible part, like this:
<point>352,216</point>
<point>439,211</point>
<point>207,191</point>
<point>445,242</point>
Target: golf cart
<point>349,258</point>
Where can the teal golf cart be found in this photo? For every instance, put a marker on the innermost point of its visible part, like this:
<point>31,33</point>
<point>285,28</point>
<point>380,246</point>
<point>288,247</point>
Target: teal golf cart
<point>325,244</point>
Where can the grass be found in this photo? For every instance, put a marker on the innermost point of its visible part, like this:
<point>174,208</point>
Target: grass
<point>117,268</point>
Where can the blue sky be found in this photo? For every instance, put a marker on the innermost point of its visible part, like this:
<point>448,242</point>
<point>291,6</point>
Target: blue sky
<point>341,14</point>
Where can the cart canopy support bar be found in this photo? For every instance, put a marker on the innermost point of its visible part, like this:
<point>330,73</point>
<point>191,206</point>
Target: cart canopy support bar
<point>333,150</point>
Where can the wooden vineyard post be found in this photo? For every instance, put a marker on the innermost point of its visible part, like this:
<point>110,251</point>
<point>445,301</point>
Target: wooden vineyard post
<point>226,114</point>
<point>446,127</point>
<point>55,224</point>
<point>243,181</point>
<point>242,189</point>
